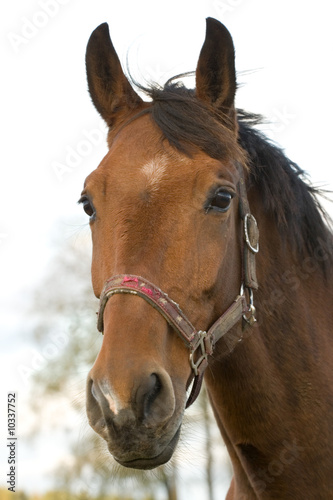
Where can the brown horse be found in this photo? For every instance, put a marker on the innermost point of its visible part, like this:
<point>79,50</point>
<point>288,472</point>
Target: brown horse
<point>169,209</point>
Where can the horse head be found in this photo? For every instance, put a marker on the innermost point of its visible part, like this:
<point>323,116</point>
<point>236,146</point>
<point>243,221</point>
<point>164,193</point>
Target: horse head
<point>163,205</point>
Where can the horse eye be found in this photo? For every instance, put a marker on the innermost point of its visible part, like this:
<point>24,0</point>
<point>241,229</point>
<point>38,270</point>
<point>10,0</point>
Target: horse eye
<point>87,206</point>
<point>221,200</point>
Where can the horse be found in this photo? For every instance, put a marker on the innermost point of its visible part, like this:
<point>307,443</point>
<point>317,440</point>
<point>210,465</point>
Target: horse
<point>187,291</point>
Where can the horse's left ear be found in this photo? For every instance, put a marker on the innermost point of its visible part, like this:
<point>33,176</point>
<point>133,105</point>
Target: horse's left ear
<point>215,74</point>
<point>109,88</point>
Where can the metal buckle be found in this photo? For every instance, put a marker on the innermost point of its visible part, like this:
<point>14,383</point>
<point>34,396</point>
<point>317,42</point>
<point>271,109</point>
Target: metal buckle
<point>250,319</point>
<point>246,232</point>
<point>196,364</point>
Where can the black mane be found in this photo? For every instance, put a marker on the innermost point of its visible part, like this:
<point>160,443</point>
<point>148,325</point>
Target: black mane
<point>285,191</point>
<point>189,124</point>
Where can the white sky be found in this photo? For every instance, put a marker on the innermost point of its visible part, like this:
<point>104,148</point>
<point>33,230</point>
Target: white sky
<point>284,59</point>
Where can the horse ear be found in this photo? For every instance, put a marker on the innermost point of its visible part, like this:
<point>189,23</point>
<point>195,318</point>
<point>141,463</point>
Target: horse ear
<point>215,74</point>
<point>109,88</point>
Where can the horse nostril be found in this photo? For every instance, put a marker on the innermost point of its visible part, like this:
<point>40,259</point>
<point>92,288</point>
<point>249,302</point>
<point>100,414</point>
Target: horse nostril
<point>155,388</point>
<point>154,400</point>
<point>146,395</point>
<point>92,389</point>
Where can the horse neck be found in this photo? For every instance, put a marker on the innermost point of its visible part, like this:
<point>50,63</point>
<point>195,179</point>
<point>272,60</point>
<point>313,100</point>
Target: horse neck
<point>294,290</point>
<point>273,393</point>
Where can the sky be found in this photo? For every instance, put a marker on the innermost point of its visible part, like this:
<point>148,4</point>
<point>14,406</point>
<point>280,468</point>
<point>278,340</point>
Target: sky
<point>52,137</point>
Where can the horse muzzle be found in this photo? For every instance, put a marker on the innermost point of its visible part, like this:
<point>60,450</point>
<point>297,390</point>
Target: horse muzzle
<point>141,433</point>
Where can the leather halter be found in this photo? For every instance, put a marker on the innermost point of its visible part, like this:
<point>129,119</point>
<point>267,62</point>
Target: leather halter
<point>200,343</point>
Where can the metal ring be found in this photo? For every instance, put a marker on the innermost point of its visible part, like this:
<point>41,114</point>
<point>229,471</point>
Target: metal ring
<point>246,232</point>
<point>203,357</point>
<point>250,292</point>
<point>251,319</point>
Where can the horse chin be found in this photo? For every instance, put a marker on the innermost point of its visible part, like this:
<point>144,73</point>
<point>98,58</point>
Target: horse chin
<point>148,463</point>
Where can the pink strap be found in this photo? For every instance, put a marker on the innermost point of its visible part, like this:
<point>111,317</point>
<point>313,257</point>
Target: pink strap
<point>136,285</point>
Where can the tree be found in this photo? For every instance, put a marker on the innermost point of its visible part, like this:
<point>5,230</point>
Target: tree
<point>8,495</point>
<point>209,456</point>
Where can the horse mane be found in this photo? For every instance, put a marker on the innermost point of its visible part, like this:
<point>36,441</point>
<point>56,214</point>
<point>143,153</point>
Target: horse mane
<point>286,191</point>
<point>189,124</point>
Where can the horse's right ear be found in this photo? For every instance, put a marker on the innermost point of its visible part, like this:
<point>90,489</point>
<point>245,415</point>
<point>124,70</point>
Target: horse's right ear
<point>109,88</point>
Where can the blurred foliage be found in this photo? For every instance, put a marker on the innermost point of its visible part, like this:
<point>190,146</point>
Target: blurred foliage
<point>66,310</point>
<point>9,495</point>
<point>61,495</point>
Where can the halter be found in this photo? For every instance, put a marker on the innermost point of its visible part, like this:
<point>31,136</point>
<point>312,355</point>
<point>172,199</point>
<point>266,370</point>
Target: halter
<point>200,343</point>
